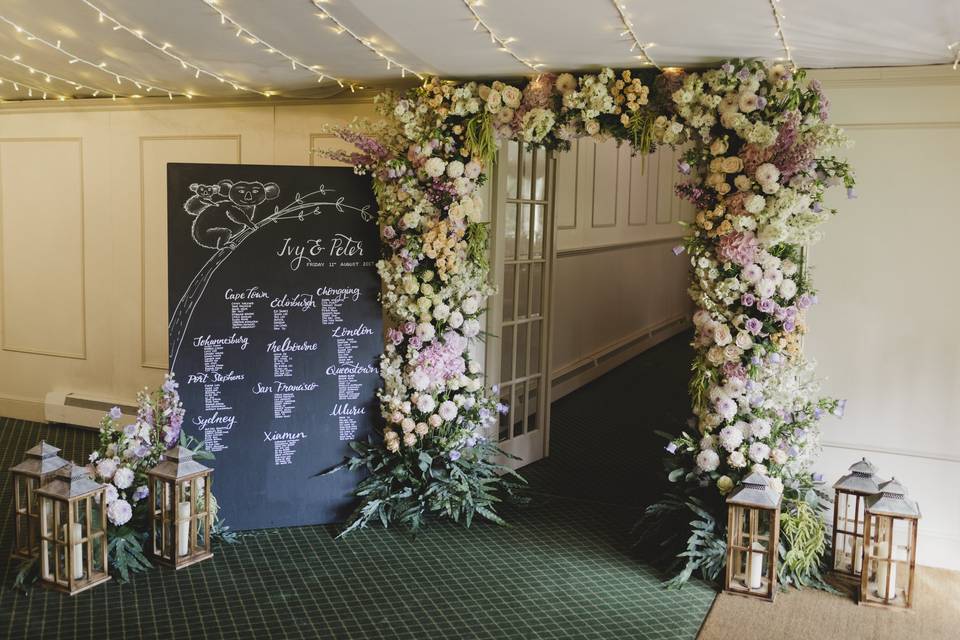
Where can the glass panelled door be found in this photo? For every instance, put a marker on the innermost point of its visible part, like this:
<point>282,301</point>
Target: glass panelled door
<point>518,352</point>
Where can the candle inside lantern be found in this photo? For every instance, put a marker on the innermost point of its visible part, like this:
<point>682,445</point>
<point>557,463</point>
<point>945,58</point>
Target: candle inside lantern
<point>183,528</point>
<point>76,552</point>
<point>882,573</point>
<point>756,565</point>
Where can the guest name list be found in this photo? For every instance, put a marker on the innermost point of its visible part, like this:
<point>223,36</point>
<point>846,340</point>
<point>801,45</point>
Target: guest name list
<point>277,363</point>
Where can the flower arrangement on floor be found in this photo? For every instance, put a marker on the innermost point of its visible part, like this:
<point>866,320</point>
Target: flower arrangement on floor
<point>121,461</point>
<point>759,160</point>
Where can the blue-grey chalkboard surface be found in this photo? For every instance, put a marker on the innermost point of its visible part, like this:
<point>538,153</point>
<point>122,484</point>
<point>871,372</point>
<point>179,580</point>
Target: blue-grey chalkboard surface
<point>275,331</point>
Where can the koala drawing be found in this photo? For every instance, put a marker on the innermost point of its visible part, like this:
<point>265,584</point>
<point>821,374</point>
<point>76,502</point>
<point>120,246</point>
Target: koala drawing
<point>225,209</point>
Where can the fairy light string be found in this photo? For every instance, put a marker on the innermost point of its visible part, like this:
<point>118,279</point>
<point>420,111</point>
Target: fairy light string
<point>341,28</point>
<point>18,86</point>
<point>52,76</point>
<point>496,39</point>
<point>955,48</point>
<point>778,18</point>
<point>167,50</point>
<point>628,30</point>
<point>295,63</point>
<point>101,66</point>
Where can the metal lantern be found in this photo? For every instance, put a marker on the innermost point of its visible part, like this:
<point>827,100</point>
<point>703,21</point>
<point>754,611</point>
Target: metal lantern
<point>38,466</point>
<point>180,514</point>
<point>73,531</point>
<point>753,535</point>
<point>850,492</point>
<point>890,548</point>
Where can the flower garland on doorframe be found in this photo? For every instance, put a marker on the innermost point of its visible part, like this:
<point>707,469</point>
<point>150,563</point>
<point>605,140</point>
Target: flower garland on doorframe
<point>760,159</point>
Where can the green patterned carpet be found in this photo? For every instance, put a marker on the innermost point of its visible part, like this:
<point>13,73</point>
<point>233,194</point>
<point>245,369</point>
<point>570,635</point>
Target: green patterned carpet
<point>563,569</point>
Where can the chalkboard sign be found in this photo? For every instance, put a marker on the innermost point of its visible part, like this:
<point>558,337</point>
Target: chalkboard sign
<point>275,331</point>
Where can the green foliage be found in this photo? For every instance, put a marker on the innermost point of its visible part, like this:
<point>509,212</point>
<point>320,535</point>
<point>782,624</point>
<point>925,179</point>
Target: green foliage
<point>403,490</point>
<point>478,244</point>
<point>803,542</point>
<point>479,140</point>
<point>28,572</point>
<point>126,551</point>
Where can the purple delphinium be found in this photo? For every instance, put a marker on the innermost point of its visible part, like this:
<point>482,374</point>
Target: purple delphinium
<point>115,413</point>
<point>671,448</point>
<point>454,455</point>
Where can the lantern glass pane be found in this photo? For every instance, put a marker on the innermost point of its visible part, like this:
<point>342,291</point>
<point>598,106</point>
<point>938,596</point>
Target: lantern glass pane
<point>20,491</point>
<point>96,547</point>
<point>96,515</point>
<point>49,559</point>
<point>60,509</point>
<point>61,569</point>
<point>46,518</point>
<point>32,498</point>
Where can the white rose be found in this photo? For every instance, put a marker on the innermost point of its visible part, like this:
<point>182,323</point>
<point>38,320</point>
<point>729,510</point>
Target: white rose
<point>426,331</point>
<point>776,484</point>
<point>455,169</point>
<point>470,305</point>
<point>441,311</point>
<point>789,267</point>
<point>471,327</point>
<point>737,460</point>
<point>448,410</point>
<point>511,97</point>
<point>435,167</point>
<point>767,174</point>
<point>779,456</point>
<point>748,102</point>
<point>455,320</point>
<point>721,335</point>
<point>765,288</point>
<point>755,203</point>
<point>409,439</point>
<point>708,460</point>
<point>123,478</point>
<point>744,341</point>
<point>788,289</point>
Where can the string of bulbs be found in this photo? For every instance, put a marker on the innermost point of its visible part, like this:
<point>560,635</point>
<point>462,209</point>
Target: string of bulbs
<point>102,66</point>
<point>17,84</point>
<point>955,47</point>
<point>778,18</point>
<point>628,30</point>
<point>495,39</point>
<point>341,28</point>
<point>47,76</point>
<point>254,39</point>
<point>166,50</point>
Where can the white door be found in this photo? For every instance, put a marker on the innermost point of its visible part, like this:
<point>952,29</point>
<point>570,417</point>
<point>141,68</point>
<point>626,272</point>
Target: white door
<point>518,319</point>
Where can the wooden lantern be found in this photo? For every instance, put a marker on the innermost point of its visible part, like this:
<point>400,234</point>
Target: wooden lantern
<point>39,465</point>
<point>73,531</point>
<point>890,548</point>
<point>753,539</point>
<point>180,515</point>
<point>850,493</point>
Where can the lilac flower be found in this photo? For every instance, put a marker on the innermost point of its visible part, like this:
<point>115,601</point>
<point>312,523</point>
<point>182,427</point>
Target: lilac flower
<point>454,455</point>
<point>818,413</point>
<point>389,233</point>
<point>727,68</point>
<point>683,167</point>
<point>793,452</point>
<point>761,102</point>
<point>775,358</point>
<point>754,326</point>
<point>170,385</point>
<point>416,342</point>
<point>471,442</point>
<point>816,477</point>
<point>140,493</point>
<point>495,388</point>
<point>743,74</point>
<point>755,360</point>
<point>502,408</point>
<point>817,207</point>
<point>804,301</point>
<point>394,336</point>
<point>789,326</point>
<point>748,300</point>
<point>801,434</point>
<point>115,413</point>
<point>671,448</point>
<point>767,305</point>
<point>851,193</point>
<point>841,408</point>
<point>677,250</point>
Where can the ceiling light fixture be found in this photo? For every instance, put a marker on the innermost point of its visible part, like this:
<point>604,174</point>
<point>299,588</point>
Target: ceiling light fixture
<point>628,30</point>
<point>164,48</point>
<point>778,18</point>
<point>367,42</point>
<point>75,58</point>
<point>257,40</point>
<point>497,40</point>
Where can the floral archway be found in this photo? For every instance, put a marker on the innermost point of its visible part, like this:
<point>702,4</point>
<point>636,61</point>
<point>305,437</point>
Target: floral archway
<point>760,158</point>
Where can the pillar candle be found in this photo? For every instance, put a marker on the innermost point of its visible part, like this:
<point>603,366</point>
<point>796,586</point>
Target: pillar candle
<point>881,584</point>
<point>756,566</point>
<point>183,528</point>
<point>76,551</point>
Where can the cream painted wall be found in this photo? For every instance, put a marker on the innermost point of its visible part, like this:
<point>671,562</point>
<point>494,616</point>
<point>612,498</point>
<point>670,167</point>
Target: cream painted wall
<point>83,304</point>
<point>885,332</point>
<point>618,288</point>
